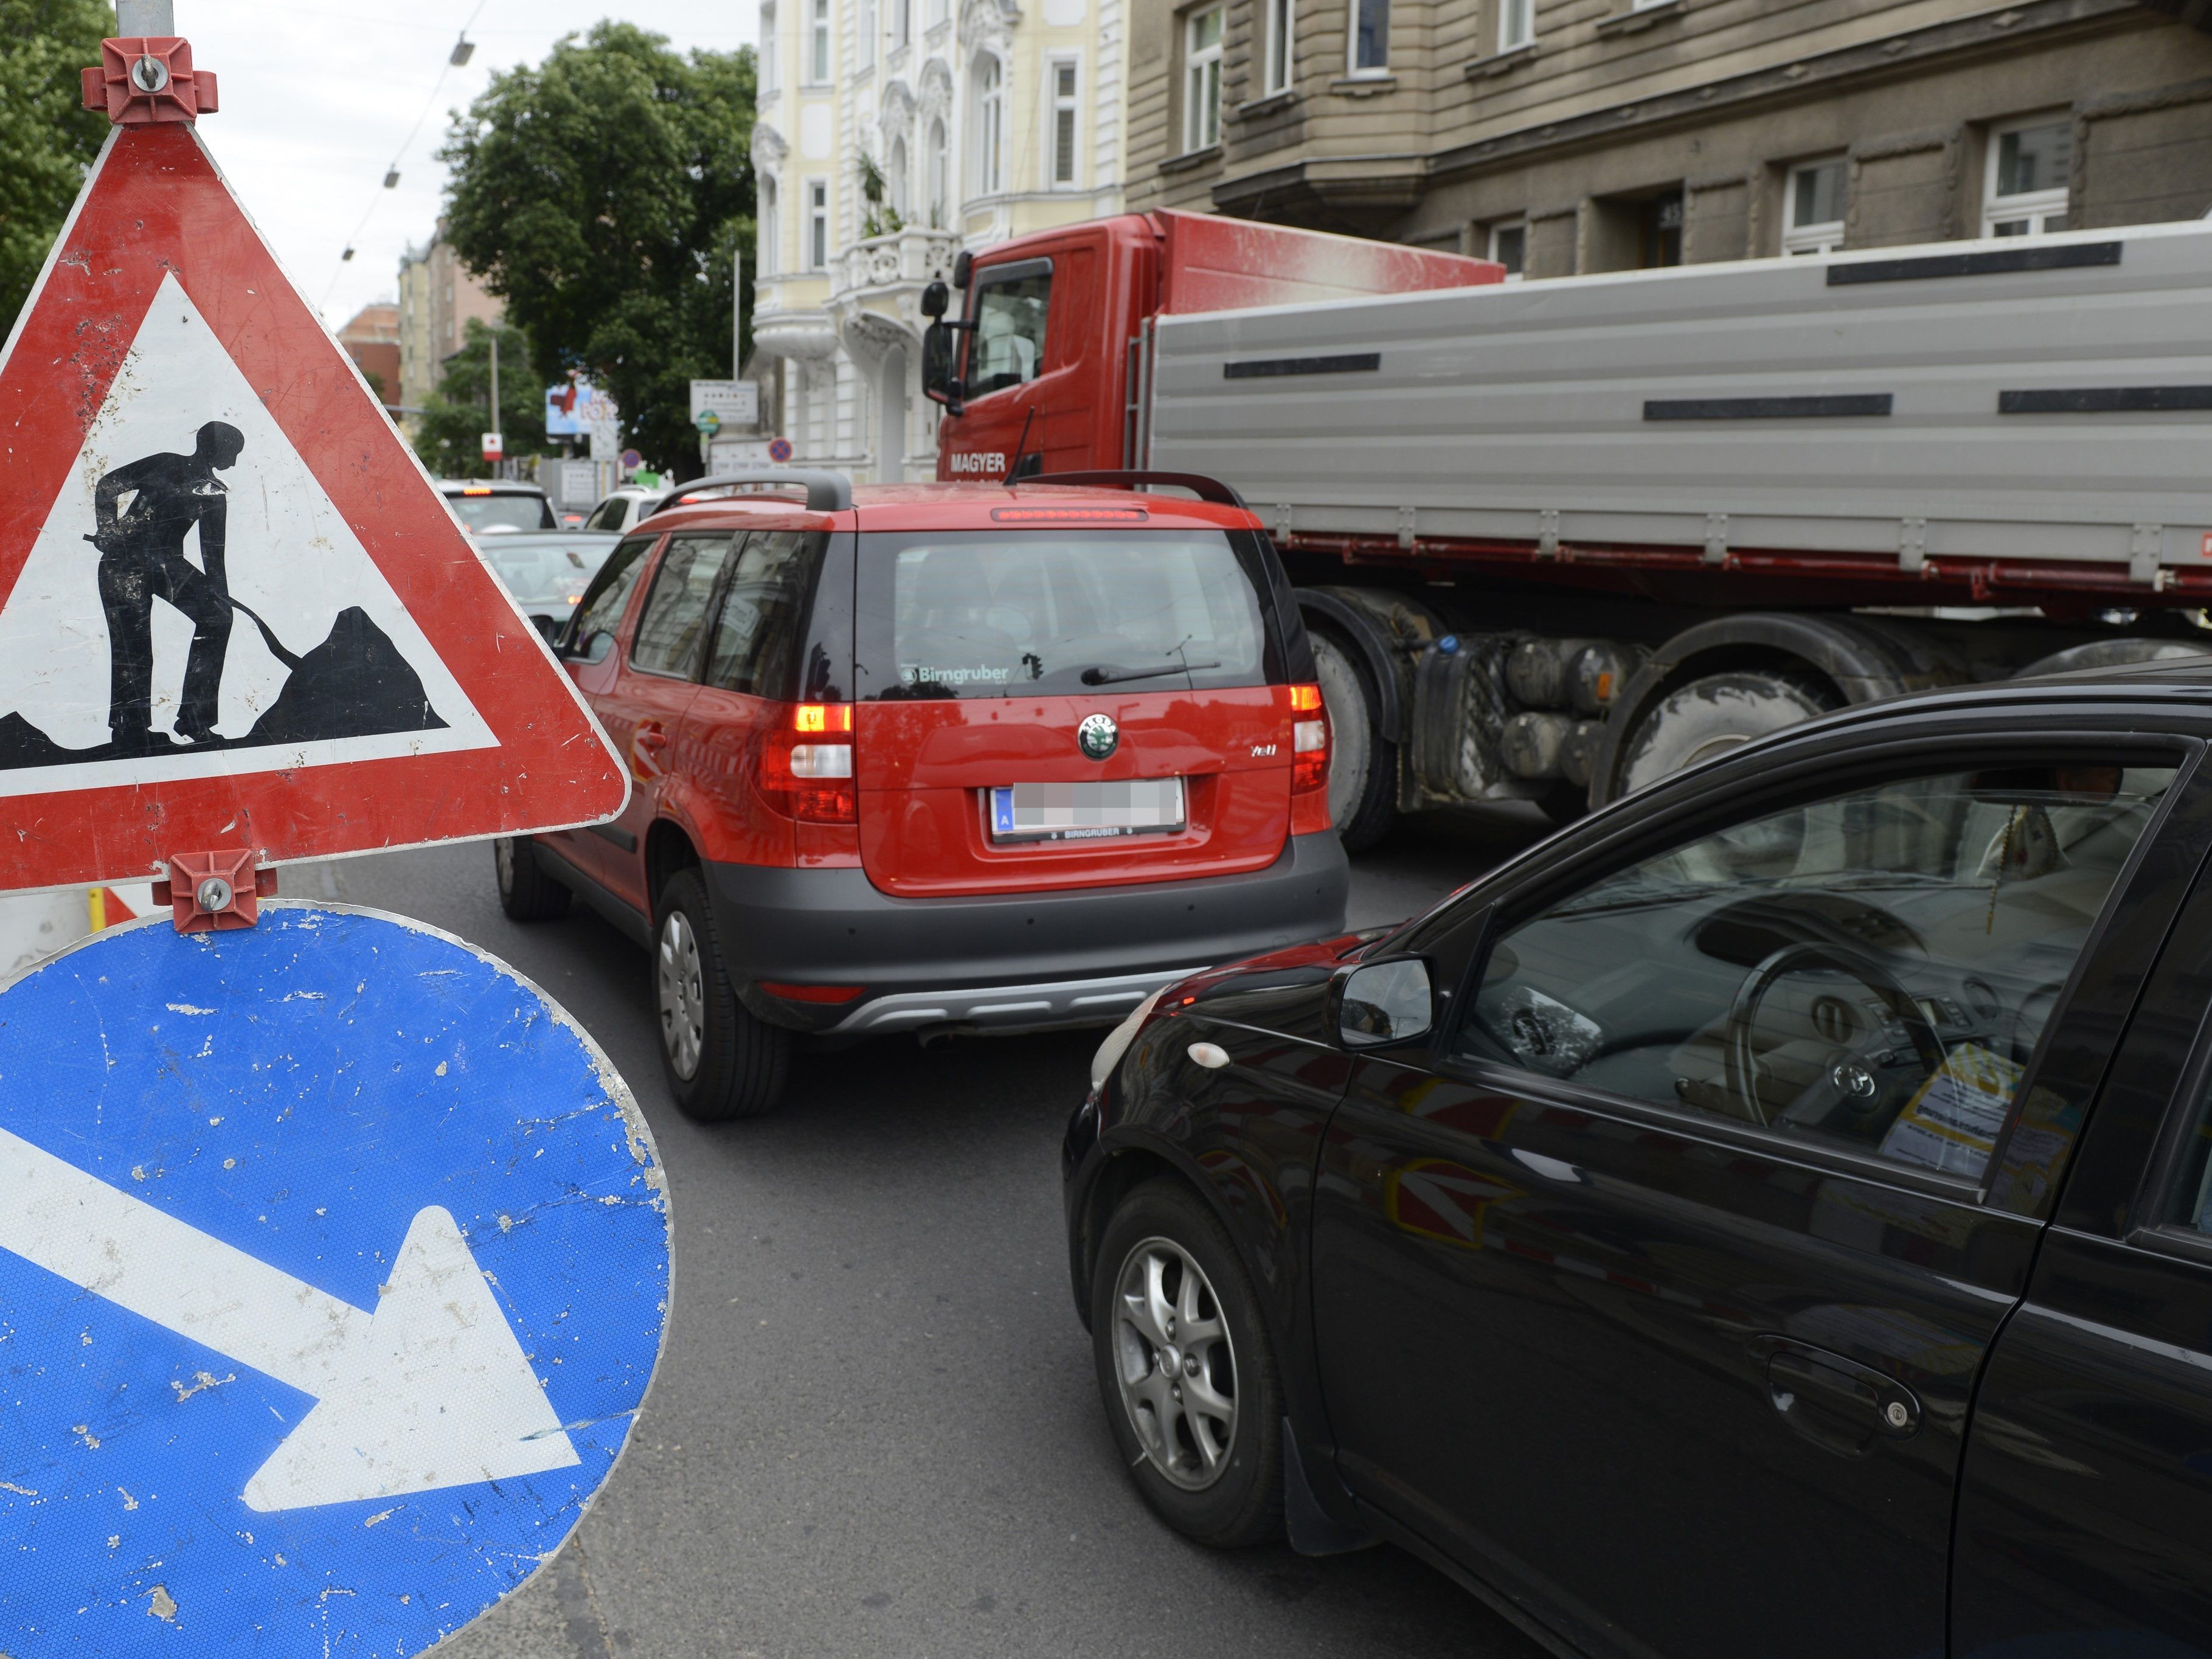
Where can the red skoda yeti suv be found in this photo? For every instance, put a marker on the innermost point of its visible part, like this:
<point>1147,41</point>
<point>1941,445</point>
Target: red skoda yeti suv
<point>992,758</point>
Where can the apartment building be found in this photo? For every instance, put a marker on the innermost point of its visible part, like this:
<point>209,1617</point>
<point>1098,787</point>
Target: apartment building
<point>1569,135</point>
<point>437,298</point>
<point>891,135</point>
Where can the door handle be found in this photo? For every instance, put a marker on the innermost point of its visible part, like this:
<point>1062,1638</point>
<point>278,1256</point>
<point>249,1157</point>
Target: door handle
<point>1833,1401</point>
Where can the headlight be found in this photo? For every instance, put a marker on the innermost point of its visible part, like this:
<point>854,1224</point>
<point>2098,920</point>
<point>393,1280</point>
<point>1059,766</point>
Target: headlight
<point>1118,1041</point>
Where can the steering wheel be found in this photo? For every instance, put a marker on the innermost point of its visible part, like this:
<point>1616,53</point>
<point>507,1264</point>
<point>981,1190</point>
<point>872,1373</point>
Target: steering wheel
<point>1743,1012</point>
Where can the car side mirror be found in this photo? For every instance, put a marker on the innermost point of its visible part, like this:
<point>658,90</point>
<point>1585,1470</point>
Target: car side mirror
<point>1383,1002</point>
<point>938,383</point>
<point>936,300</point>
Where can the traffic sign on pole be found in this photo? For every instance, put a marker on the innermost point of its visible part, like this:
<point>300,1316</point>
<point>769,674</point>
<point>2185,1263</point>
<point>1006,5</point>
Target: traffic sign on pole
<point>494,446</point>
<point>233,610</point>
<point>329,1309</point>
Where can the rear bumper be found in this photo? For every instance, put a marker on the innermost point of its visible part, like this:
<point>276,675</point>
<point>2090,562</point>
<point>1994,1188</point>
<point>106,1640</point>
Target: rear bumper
<point>1008,962</point>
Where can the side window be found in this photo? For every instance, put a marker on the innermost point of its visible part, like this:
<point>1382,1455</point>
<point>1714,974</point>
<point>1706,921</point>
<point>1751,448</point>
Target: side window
<point>668,634</point>
<point>756,637</point>
<point>607,515</point>
<point>599,612</point>
<point>1007,348</point>
<point>1872,970</point>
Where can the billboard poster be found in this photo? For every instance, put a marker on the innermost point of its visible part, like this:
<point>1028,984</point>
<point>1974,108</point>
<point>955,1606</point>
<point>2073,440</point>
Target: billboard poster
<point>574,406</point>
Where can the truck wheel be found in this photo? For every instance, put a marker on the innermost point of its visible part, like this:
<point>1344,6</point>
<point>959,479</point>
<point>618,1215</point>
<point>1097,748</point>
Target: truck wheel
<point>1363,764</point>
<point>1709,716</point>
<point>719,1061</point>
<point>526,893</point>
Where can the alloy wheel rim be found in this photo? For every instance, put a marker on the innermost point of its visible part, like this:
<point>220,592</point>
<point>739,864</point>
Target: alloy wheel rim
<point>1174,1364</point>
<point>683,1002</point>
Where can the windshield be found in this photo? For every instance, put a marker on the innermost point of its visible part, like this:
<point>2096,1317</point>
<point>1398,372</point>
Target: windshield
<point>540,572</point>
<point>507,512</point>
<point>1001,615</point>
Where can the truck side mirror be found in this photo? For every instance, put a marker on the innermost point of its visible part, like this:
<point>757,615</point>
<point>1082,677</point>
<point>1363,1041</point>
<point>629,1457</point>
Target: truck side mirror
<point>936,300</point>
<point>938,383</point>
<point>963,262</point>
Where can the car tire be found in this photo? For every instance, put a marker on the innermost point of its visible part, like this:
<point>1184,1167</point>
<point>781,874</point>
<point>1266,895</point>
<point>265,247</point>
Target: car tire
<point>1363,764</point>
<point>1709,716</point>
<point>721,1061</point>
<point>1216,1481</point>
<point>526,893</point>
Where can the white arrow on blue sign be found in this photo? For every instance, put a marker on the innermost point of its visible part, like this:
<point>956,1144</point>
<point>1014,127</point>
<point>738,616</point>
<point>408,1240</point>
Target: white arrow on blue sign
<point>334,1266</point>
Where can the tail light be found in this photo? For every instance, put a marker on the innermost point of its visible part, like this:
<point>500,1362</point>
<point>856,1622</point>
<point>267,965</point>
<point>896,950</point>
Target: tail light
<point>1308,740</point>
<point>807,769</point>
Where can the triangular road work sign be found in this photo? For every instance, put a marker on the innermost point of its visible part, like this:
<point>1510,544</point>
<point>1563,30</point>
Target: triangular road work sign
<point>233,610</point>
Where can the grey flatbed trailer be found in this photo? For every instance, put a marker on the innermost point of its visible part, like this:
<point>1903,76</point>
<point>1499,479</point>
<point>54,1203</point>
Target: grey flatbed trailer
<point>1570,535</point>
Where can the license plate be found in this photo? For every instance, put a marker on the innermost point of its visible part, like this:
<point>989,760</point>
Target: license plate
<point>1086,811</point>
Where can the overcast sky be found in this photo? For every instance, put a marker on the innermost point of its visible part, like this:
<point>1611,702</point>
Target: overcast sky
<point>319,99</point>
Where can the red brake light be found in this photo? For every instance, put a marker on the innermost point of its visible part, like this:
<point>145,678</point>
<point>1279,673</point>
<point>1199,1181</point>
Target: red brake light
<point>1070,514</point>
<point>1308,740</point>
<point>806,769</point>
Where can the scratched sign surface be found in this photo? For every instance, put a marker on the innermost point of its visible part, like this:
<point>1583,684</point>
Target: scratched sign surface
<point>334,1266</point>
<point>234,611</point>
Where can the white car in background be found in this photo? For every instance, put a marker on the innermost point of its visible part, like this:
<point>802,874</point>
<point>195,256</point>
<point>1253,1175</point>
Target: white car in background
<point>623,509</point>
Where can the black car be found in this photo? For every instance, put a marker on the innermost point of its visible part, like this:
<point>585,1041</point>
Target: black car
<point>1773,1216</point>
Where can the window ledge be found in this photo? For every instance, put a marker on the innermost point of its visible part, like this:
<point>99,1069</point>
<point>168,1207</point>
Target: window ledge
<point>1273,104</point>
<point>1363,86</point>
<point>1633,22</point>
<point>1503,63</point>
<point>1191,158</point>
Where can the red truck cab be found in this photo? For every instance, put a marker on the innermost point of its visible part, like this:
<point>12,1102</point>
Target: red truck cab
<point>1040,372</point>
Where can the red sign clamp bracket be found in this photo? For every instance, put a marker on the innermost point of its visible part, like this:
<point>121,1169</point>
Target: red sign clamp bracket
<point>215,891</point>
<point>149,77</point>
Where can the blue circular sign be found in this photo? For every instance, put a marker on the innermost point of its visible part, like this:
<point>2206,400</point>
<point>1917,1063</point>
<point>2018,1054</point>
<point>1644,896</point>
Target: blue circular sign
<point>779,450</point>
<point>334,1266</point>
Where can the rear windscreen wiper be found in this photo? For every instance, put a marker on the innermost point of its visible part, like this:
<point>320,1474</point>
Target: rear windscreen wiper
<point>1115,676</point>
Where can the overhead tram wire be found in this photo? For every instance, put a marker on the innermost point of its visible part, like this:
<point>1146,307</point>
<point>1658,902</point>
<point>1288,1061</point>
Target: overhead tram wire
<point>463,50</point>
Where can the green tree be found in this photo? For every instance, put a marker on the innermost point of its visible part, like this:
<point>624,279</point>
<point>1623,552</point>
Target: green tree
<point>449,435</point>
<point>605,196</point>
<point>46,140</point>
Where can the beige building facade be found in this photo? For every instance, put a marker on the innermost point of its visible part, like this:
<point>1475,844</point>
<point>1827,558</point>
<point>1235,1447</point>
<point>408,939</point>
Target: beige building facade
<point>893,134</point>
<point>437,299</point>
<point>1570,135</point>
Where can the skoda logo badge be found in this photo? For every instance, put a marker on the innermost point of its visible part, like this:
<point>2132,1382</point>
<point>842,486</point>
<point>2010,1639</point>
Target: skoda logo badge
<point>1098,737</point>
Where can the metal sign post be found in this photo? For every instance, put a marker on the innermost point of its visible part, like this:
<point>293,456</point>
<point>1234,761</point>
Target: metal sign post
<point>334,1257</point>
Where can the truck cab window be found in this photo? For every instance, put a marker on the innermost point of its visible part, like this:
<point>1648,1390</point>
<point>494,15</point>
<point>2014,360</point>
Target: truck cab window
<point>1008,345</point>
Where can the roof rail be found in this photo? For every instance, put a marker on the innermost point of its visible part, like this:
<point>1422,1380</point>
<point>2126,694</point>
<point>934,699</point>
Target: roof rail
<point>1205,489</point>
<point>826,491</point>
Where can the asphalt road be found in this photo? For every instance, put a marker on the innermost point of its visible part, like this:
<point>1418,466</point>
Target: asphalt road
<point>876,1430</point>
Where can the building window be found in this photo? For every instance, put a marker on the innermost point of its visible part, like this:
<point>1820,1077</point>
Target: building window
<point>1517,24</point>
<point>1813,207</point>
<point>1064,133</point>
<point>990,126</point>
<point>940,11</point>
<point>901,23</point>
<point>1509,245</point>
<point>940,175</point>
<point>817,58</point>
<point>768,258</point>
<point>1202,79</point>
<point>1660,232</point>
<point>2030,164</point>
<point>817,224</point>
<point>768,56</point>
<point>864,35</point>
<point>1281,18</point>
<point>895,180</point>
<point>1371,36</point>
